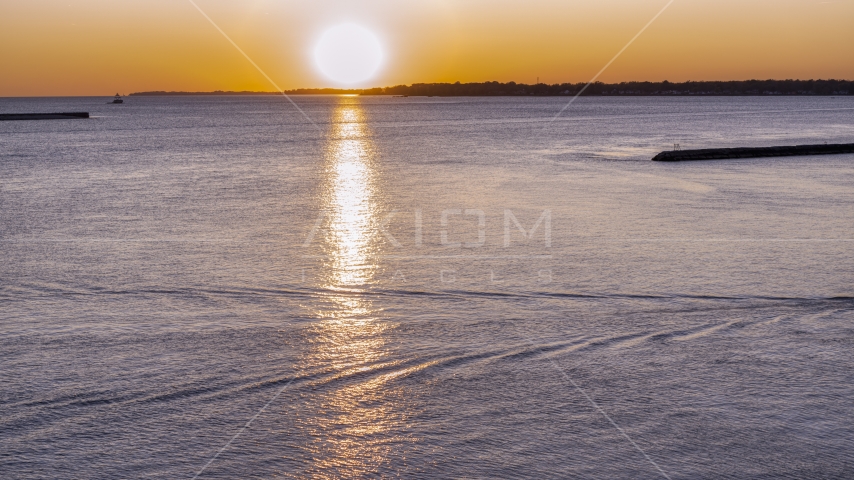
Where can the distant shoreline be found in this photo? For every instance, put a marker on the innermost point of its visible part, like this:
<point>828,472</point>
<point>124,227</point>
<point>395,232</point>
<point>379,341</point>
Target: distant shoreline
<point>626,89</point>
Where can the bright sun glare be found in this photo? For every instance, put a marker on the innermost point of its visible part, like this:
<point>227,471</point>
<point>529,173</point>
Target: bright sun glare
<point>348,54</point>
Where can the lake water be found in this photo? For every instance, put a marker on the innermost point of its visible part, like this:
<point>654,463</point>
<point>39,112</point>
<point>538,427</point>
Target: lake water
<point>425,287</point>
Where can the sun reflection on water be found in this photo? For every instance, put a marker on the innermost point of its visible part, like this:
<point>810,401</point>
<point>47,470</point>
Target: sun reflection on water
<point>357,407</point>
<point>350,200</point>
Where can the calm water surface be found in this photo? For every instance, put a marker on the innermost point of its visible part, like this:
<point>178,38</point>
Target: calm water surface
<point>425,287</point>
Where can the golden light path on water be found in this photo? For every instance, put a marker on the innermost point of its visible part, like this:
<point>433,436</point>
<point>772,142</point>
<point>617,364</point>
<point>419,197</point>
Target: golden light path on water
<point>354,415</point>
<point>351,200</point>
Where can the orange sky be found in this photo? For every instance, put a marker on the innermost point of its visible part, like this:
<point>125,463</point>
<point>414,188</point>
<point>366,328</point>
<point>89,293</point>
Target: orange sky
<point>99,47</point>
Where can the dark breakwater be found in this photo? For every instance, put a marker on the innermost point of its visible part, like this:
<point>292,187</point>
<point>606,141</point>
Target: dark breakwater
<point>43,116</point>
<point>726,153</point>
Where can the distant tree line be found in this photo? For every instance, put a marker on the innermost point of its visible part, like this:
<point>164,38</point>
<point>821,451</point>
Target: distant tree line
<point>747,87</point>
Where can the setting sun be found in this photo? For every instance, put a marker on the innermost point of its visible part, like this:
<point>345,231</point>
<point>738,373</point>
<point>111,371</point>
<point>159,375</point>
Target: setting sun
<point>348,54</point>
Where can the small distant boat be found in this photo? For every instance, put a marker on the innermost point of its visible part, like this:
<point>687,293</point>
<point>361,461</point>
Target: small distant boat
<point>118,99</point>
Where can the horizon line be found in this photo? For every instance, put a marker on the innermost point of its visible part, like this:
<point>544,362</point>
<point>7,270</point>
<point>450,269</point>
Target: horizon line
<point>541,89</point>
<point>826,87</point>
<point>511,82</point>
